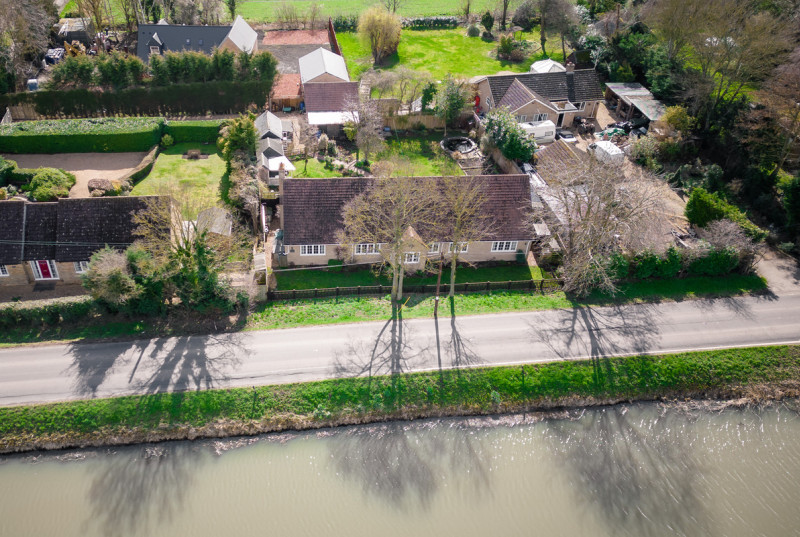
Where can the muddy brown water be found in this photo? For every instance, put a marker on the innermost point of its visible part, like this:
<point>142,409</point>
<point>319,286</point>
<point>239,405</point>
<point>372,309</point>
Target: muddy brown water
<point>634,470</point>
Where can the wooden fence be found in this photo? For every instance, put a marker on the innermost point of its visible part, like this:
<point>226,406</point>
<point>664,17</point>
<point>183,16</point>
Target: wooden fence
<point>543,287</point>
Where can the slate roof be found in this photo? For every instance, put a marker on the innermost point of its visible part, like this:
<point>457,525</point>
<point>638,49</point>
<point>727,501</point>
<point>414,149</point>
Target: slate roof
<point>578,86</point>
<point>66,230</point>
<point>322,61</point>
<point>312,208</point>
<point>329,96</point>
<point>269,125</point>
<point>270,147</point>
<point>176,37</point>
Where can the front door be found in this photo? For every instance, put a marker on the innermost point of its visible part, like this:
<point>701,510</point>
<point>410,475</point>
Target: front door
<point>44,270</point>
<point>560,120</point>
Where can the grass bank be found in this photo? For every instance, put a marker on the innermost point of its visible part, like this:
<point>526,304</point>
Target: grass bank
<point>289,314</point>
<point>760,372</point>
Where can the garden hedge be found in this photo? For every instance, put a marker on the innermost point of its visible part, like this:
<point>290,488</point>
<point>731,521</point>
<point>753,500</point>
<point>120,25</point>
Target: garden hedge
<point>46,314</point>
<point>197,99</point>
<point>81,135</point>
<point>204,131</point>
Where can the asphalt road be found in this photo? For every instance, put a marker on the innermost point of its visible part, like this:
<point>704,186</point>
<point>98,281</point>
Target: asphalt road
<point>37,374</point>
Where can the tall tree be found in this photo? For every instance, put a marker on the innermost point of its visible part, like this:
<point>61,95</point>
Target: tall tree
<point>781,96</point>
<point>231,5</point>
<point>450,100</point>
<point>24,30</point>
<point>673,21</point>
<point>462,217</point>
<point>504,13</point>
<point>380,30</point>
<point>392,5</point>
<point>384,214</point>
<point>364,126</point>
<point>599,213</point>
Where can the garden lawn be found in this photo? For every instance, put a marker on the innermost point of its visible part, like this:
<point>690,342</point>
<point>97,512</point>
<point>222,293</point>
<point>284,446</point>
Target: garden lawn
<point>315,169</point>
<point>419,155</point>
<point>200,179</point>
<point>321,279</point>
<point>265,10</point>
<point>440,52</point>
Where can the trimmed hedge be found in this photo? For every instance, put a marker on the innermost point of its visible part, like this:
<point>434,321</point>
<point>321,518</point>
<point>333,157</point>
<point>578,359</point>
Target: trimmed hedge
<point>705,207</point>
<point>81,135</point>
<point>21,176</point>
<point>196,99</point>
<point>430,23</point>
<point>48,314</point>
<point>204,131</point>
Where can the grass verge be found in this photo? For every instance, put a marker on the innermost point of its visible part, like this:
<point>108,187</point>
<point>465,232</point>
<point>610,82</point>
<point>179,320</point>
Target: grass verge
<point>289,314</point>
<point>720,373</point>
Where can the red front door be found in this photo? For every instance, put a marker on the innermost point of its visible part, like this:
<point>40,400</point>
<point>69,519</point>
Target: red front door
<point>44,269</point>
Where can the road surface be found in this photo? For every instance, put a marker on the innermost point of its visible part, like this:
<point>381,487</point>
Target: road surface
<point>36,374</point>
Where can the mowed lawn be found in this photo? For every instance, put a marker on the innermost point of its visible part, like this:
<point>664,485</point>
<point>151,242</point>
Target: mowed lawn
<point>322,279</point>
<point>419,155</point>
<point>313,169</point>
<point>200,179</point>
<point>264,10</point>
<point>440,52</point>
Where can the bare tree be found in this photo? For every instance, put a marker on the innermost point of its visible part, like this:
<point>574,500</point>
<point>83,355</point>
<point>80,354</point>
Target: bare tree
<point>313,15</point>
<point>504,10</point>
<point>463,217</point>
<point>364,126</point>
<point>409,84</point>
<point>392,5</point>
<point>556,16</point>
<point>726,234</point>
<point>387,214</point>
<point>210,11</point>
<point>385,82</point>
<point>673,21</point>
<point>92,9</point>
<point>597,212</point>
<point>24,29</point>
<point>186,12</point>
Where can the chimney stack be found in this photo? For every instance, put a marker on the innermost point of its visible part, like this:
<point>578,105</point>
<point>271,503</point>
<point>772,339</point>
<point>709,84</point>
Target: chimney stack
<point>570,67</point>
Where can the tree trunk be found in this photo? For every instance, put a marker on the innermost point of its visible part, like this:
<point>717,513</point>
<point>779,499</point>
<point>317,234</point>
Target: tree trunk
<point>563,49</point>
<point>453,263</point>
<point>543,35</point>
<point>505,13</point>
<point>394,283</point>
<point>400,284</point>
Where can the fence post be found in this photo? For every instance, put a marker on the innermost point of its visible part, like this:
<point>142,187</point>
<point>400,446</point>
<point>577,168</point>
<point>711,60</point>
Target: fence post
<point>508,285</point>
<point>294,294</point>
<point>541,287</point>
<point>358,290</point>
<point>337,291</point>
<point>315,293</point>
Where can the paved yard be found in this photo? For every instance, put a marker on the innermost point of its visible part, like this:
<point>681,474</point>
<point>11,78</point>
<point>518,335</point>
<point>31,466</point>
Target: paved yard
<point>84,166</point>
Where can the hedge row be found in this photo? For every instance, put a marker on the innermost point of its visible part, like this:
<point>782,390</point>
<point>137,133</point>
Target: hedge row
<point>196,99</point>
<point>81,135</point>
<point>48,314</point>
<point>204,131</point>
<point>675,262</point>
<point>430,23</point>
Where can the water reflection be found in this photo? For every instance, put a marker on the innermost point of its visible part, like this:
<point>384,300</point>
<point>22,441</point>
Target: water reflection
<point>137,489</point>
<point>641,478</point>
<point>407,465</point>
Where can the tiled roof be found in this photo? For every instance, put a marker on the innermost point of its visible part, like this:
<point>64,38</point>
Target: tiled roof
<point>551,160</point>
<point>11,231</point>
<point>288,86</point>
<point>66,230</point>
<point>312,208</point>
<point>270,147</point>
<point>516,96</point>
<point>329,96</point>
<point>578,86</point>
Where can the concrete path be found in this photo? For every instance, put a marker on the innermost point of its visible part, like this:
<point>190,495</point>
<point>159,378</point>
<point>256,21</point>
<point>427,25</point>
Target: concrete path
<point>65,372</point>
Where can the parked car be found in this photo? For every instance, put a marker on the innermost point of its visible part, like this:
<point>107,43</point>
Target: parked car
<point>566,136</point>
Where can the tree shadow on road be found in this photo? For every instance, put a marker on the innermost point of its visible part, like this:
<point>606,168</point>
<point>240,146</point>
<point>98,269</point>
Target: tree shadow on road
<point>158,365</point>
<point>636,474</point>
<point>139,489</point>
<point>406,466</point>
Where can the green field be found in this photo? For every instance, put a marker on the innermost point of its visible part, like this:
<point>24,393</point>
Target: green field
<point>418,156</point>
<point>264,10</point>
<point>200,179</point>
<point>440,52</point>
<point>380,396</point>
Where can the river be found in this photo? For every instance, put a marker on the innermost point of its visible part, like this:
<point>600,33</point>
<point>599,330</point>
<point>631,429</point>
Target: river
<point>635,470</point>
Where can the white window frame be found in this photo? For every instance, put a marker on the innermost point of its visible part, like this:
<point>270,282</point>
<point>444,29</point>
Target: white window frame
<point>581,106</point>
<point>504,246</point>
<point>3,271</point>
<point>37,274</point>
<point>80,266</point>
<point>435,248</point>
<point>366,249</point>
<point>312,249</point>
<point>155,50</point>
<point>522,118</point>
<point>463,247</point>
<point>410,258</point>
<point>538,117</point>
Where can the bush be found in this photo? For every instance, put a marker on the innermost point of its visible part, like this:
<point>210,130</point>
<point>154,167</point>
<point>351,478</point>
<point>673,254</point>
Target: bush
<point>525,16</point>
<point>487,21</point>
<point>430,23</point>
<point>704,207</point>
<point>7,167</point>
<point>715,262</point>
<point>202,131</point>
<point>473,31</point>
<point>81,135</point>
<point>51,313</point>
<point>345,23</point>
<point>49,184</point>
<point>645,264</point>
<point>670,264</point>
<point>167,141</point>
<point>332,149</point>
<point>505,133</point>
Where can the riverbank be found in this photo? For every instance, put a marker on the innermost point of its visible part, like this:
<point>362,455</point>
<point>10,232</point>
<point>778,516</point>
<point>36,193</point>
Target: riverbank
<point>747,374</point>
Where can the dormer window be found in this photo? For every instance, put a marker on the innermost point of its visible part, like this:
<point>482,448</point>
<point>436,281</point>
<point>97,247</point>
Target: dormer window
<point>200,42</point>
<point>188,41</point>
<point>155,50</point>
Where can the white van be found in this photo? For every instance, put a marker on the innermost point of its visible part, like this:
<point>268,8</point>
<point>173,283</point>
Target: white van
<point>543,132</point>
<point>607,152</point>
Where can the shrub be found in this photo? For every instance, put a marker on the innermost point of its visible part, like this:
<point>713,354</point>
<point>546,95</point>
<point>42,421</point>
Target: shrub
<point>201,131</point>
<point>525,16</point>
<point>50,184</point>
<point>645,264</point>
<point>430,23</point>
<point>7,167</point>
<point>704,207</point>
<point>332,149</point>
<point>487,21</point>
<point>473,31</point>
<point>51,313</point>
<point>505,133</point>
<point>167,141</point>
<point>670,264</point>
<point>345,23</point>
<point>322,143</point>
<point>714,262</point>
